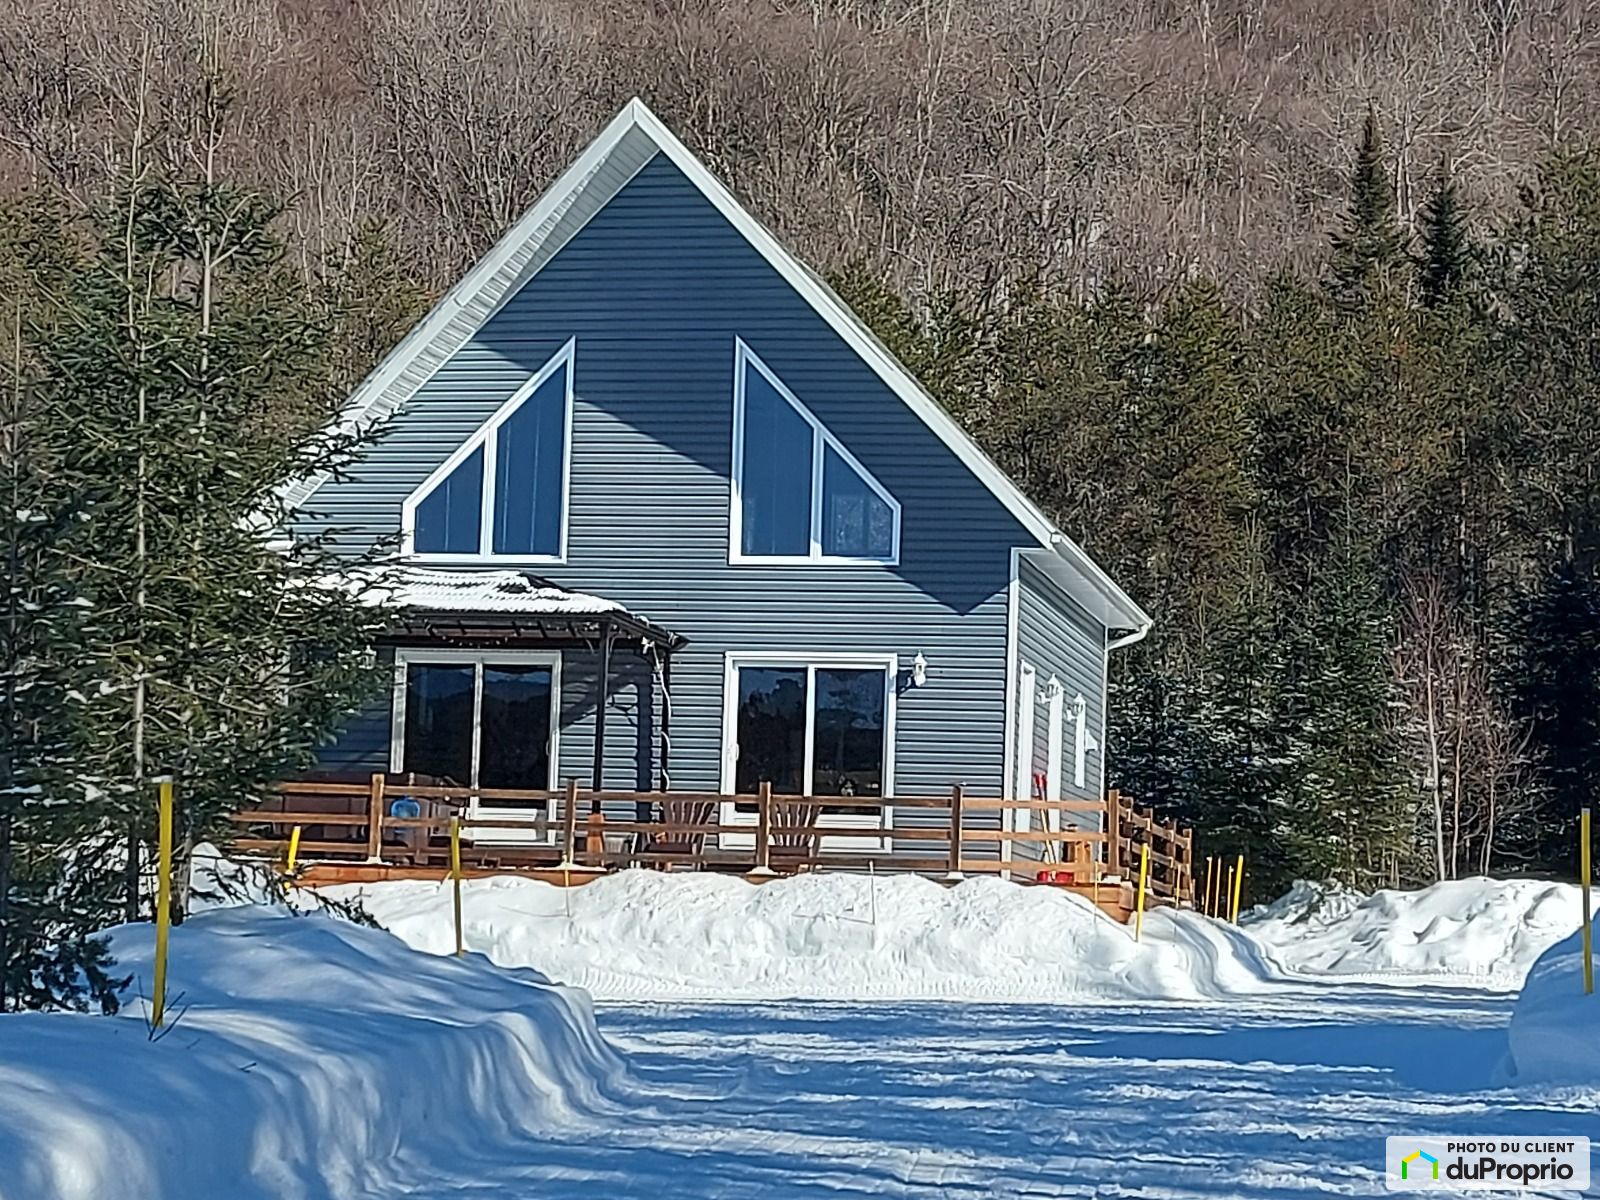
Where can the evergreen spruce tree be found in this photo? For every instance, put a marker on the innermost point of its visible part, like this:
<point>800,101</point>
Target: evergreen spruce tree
<point>1369,251</point>
<point>1557,687</point>
<point>194,368</point>
<point>55,889</point>
<point>1547,379</point>
<point>1346,786</point>
<point>1445,256</point>
<point>1246,770</point>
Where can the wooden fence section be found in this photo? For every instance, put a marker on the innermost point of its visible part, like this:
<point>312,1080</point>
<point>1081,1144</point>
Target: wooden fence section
<point>387,822</point>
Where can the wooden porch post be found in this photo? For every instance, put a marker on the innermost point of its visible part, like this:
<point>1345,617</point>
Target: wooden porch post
<point>1113,831</point>
<point>375,819</point>
<point>957,798</point>
<point>763,829</point>
<point>569,822</point>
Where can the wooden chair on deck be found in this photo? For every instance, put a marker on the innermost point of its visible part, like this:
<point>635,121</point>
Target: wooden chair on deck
<point>794,834</point>
<point>679,814</point>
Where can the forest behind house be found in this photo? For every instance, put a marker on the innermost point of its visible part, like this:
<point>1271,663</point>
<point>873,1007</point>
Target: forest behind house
<point>1287,312</point>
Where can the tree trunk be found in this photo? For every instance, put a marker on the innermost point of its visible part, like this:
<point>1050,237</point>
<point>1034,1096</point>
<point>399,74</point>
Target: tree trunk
<point>1433,770</point>
<point>5,902</point>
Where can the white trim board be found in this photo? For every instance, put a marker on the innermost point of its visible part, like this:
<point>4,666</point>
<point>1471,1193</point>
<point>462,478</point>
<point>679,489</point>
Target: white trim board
<point>625,145</point>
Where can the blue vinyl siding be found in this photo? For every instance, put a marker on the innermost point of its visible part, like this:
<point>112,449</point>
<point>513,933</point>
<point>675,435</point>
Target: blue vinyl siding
<point>363,744</point>
<point>1064,643</point>
<point>654,289</point>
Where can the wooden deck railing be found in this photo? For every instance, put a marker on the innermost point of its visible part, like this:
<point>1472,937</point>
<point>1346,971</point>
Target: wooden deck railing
<point>356,822</point>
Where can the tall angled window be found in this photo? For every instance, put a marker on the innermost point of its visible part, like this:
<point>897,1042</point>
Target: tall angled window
<point>798,494</point>
<point>503,493</point>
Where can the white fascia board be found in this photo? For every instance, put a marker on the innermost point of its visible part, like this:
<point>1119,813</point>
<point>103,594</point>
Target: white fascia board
<point>1075,573</point>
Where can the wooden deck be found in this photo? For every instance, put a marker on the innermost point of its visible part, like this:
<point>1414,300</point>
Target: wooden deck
<point>388,828</point>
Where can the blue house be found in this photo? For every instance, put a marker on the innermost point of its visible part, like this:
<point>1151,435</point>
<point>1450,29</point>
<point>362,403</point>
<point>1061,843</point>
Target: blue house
<point>666,516</point>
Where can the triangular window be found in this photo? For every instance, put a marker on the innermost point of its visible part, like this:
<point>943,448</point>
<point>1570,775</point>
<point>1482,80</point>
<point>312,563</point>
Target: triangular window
<point>503,493</point>
<point>798,494</point>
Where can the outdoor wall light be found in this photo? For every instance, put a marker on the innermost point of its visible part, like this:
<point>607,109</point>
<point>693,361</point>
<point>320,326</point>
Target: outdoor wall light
<point>919,670</point>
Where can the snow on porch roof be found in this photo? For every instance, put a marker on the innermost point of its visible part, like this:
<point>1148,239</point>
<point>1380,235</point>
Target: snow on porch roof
<point>427,590</point>
<point>468,601</point>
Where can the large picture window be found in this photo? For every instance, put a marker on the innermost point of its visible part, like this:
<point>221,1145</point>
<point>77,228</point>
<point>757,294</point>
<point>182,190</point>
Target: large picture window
<point>821,728</point>
<point>798,494</point>
<point>503,493</point>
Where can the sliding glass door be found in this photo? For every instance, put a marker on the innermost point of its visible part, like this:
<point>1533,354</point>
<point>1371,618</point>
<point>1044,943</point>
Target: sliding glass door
<point>478,721</point>
<point>817,728</point>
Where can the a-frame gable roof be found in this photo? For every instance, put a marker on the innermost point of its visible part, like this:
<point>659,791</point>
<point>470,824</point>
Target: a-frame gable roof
<point>630,141</point>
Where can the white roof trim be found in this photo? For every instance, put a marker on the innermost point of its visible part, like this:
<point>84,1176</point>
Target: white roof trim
<point>376,398</point>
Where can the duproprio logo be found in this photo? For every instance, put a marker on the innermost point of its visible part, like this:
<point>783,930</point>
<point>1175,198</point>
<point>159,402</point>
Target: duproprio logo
<point>1435,1164</point>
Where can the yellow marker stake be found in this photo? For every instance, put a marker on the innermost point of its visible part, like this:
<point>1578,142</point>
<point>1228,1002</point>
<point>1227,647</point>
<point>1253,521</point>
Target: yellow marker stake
<point>294,847</point>
<point>1144,873</point>
<point>1205,898</point>
<point>163,898</point>
<point>455,877</point>
<point>1238,886</point>
<point>1584,870</point>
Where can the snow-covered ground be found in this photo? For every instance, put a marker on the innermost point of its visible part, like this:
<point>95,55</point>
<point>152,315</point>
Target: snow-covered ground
<point>1475,932</point>
<point>1555,1027</point>
<point>654,935</point>
<point>306,1057</point>
<point>317,1060</point>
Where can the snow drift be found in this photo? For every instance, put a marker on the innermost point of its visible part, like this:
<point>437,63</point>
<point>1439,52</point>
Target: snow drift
<point>1552,1035</point>
<point>1477,932</point>
<point>310,1057</point>
<point>654,935</point>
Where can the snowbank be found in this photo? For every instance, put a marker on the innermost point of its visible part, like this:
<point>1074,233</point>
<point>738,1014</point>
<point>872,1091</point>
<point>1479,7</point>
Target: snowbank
<point>1553,1026</point>
<point>654,935</point>
<point>310,1058</point>
<point>1478,932</point>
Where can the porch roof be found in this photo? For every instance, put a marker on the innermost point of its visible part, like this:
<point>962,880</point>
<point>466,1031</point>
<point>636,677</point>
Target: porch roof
<point>465,603</point>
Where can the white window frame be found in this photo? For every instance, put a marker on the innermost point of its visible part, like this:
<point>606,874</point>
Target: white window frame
<point>807,661</point>
<point>745,359</point>
<point>404,656</point>
<point>485,436</point>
